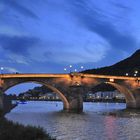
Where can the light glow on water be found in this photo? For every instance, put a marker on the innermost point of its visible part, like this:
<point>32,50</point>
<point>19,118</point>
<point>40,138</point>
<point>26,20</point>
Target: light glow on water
<point>90,125</point>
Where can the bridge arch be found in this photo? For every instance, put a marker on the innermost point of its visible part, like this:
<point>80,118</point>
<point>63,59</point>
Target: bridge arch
<point>130,99</point>
<point>127,93</point>
<point>58,92</point>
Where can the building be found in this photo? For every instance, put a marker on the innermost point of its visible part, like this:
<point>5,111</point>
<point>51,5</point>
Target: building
<point>49,96</point>
<point>105,95</point>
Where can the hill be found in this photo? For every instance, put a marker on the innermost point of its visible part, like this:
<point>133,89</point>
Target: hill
<point>36,91</point>
<point>128,65</point>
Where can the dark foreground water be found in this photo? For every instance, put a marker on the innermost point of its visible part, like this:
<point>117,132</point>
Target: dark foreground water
<point>94,124</point>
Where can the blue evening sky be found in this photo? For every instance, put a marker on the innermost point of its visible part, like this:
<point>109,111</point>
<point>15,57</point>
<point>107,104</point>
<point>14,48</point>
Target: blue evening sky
<point>44,36</point>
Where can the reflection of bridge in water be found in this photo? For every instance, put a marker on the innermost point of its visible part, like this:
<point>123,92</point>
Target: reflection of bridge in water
<point>71,87</point>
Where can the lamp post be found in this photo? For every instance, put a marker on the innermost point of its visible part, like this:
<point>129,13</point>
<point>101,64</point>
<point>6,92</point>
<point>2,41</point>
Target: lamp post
<point>82,67</point>
<point>126,74</point>
<point>1,69</point>
<point>65,69</point>
<point>70,68</point>
<point>135,73</point>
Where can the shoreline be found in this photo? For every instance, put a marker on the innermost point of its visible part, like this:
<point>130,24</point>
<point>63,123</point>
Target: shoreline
<point>15,131</point>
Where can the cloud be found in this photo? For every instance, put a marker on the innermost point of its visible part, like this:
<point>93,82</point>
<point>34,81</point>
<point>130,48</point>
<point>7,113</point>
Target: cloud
<point>17,44</point>
<point>71,57</point>
<point>19,8</point>
<point>9,70</point>
<point>18,59</point>
<point>93,20</point>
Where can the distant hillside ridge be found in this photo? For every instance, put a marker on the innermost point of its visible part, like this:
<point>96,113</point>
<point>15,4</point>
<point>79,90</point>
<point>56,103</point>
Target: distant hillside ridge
<point>129,65</point>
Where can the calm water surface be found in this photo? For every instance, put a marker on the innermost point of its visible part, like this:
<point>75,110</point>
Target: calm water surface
<point>93,124</point>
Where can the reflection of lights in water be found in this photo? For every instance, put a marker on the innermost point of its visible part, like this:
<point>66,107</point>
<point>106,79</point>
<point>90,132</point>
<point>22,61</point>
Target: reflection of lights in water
<point>109,127</point>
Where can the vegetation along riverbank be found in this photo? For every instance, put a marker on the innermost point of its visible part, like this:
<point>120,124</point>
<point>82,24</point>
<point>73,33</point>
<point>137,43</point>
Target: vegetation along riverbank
<point>15,131</point>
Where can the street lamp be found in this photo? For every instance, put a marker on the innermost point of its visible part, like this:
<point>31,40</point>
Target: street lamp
<point>70,68</point>
<point>135,74</point>
<point>65,69</point>
<point>136,71</point>
<point>82,67</point>
<point>1,69</point>
<point>111,80</point>
<point>75,70</point>
<point>126,74</point>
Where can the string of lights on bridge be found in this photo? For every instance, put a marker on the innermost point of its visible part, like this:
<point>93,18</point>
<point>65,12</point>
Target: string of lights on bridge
<point>71,68</point>
<point>134,74</point>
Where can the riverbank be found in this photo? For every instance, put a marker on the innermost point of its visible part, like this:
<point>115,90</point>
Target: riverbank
<point>15,131</point>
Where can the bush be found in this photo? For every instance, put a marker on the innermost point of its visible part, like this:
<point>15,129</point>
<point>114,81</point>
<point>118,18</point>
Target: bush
<point>15,131</point>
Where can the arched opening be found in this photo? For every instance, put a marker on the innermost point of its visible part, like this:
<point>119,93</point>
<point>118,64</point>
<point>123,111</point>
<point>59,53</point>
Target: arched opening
<point>110,92</point>
<point>127,93</point>
<point>55,90</point>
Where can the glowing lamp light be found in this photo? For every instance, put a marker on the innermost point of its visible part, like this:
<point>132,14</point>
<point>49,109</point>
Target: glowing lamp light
<point>82,67</point>
<point>70,66</point>
<point>136,71</point>
<point>111,80</point>
<point>77,84</point>
<point>65,69</point>
<point>135,74</point>
<point>126,74</point>
<point>1,69</point>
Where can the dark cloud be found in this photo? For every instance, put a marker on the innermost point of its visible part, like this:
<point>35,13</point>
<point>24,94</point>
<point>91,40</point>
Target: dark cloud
<point>112,36</point>
<point>17,44</point>
<point>95,22</point>
<point>19,8</point>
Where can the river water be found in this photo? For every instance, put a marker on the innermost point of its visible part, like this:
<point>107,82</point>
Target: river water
<point>95,123</point>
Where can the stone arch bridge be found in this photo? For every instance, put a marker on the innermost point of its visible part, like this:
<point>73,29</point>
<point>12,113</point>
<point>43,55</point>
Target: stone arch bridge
<point>71,87</point>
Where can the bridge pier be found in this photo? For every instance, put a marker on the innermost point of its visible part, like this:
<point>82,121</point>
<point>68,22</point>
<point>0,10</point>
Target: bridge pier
<point>75,99</point>
<point>136,104</point>
<point>131,105</point>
